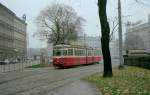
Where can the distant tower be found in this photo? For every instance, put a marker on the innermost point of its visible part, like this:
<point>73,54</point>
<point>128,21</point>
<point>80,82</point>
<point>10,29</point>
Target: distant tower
<point>24,17</point>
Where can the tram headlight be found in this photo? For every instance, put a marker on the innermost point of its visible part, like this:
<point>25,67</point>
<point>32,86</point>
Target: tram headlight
<point>57,59</point>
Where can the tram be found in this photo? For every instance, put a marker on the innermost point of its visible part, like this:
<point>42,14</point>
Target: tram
<point>69,56</point>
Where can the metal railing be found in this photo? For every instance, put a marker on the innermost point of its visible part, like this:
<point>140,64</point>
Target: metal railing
<point>139,61</point>
<point>16,66</point>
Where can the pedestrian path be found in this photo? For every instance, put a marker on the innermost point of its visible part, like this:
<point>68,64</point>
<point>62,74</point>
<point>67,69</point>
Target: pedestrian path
<point>78,87</point>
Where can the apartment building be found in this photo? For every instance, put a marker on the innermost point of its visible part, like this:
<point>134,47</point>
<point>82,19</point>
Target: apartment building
<point>13,42</point>
<point>138,36</point>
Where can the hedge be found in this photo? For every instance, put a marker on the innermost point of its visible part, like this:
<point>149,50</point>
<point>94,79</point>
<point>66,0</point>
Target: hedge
<point>139,61</point>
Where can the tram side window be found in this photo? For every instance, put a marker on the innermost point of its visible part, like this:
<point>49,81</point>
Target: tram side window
<point>89,52</point>
<point>93,52</point>
<point>70,52</point>
<point>77,52</point>
<point>98,52</point>
<point>82,52</point>
<point>64,52</point>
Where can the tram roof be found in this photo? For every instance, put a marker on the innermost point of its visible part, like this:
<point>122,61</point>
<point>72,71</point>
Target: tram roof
<point>72,46</point>
<point>62,45</point>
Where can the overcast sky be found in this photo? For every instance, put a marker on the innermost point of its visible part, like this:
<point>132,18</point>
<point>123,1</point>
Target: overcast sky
<point>85,8</point>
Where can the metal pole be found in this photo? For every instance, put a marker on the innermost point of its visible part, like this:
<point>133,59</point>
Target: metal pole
<point>84,40</point>
<point>1,67</point>
<point>1,62</point>
<point>9,66</point>
<point>120,33</point>
<point>22,63</point>
<point>15,60</point>
<point>5,63</point>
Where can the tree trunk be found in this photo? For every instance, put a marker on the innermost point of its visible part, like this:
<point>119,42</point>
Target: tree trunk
<point>105,30</point>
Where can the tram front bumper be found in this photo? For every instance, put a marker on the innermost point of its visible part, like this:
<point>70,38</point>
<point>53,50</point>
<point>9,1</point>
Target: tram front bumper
<point>58,64</point>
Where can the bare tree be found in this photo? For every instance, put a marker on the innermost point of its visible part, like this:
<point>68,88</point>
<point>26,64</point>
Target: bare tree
<point>105,30</point>
<point>59,23</point>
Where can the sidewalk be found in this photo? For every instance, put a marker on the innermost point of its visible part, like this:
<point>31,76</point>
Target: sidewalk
<point>78,87</point>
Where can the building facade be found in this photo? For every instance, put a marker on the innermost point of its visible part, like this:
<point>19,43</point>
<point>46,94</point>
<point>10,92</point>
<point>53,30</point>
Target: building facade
<point>89,41</point>
<point>13,42</point>
<point>94,42</point>
<point>138,36</point>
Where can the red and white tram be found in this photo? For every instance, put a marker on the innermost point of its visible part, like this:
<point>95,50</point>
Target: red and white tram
<point>68,56</point>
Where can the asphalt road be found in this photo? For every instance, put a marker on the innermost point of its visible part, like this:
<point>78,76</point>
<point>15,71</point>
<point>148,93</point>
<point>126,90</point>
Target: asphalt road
<point>43,81</point>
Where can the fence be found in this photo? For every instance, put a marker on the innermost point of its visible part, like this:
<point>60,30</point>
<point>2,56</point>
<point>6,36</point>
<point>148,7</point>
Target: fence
<point>140,61</point>
<point>17,66</point>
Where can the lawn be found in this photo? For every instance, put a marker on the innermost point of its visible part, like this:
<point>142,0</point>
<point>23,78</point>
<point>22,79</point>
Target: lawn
<point>130,81</point>
<point>39,66</point>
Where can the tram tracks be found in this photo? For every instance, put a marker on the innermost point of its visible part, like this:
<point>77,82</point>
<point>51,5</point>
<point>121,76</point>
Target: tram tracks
<point>50,84</point>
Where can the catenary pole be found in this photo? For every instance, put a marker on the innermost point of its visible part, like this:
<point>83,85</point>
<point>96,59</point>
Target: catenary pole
<point>120,34</point>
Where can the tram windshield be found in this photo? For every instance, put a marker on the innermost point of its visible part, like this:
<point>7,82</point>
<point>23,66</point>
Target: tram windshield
<point>62,51</point>
<point>57,51</point>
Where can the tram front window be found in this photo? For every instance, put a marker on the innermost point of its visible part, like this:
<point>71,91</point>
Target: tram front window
<point>57,53</point>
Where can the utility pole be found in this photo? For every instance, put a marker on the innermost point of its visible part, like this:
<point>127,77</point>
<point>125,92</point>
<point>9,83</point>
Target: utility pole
<point>84,40</point>
<point>120,34</point>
